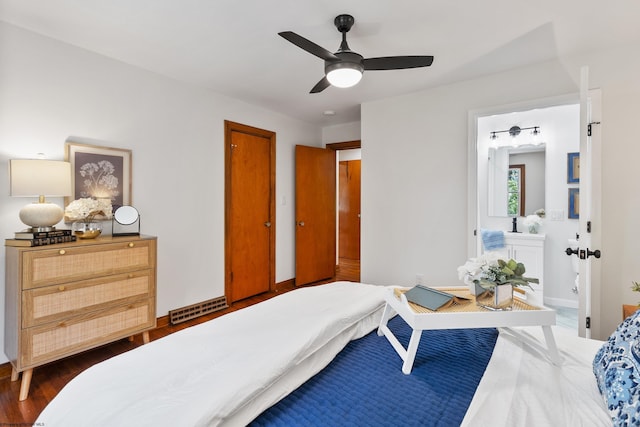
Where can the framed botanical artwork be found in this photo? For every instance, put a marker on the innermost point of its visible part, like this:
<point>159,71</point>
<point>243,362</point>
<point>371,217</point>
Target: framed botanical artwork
<point>573,168</point>
<point>99,173</point>
<point>574,203</point>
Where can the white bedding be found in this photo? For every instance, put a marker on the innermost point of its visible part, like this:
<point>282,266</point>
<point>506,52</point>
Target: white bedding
<point>521,387</point>
<point>225,371</point>
<point>229,370</point>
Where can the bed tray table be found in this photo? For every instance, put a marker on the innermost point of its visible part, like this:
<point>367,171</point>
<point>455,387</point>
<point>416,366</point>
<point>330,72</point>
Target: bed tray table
<point>463,316</point>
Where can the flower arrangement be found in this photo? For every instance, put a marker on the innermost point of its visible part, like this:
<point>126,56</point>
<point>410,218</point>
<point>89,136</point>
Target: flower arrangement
<point>533,222</point>
<point>88,209</point>
<point>488,271</point>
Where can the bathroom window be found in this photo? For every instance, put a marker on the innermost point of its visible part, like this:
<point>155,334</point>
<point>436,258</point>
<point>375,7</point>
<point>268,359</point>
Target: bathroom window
<point>515,190</point>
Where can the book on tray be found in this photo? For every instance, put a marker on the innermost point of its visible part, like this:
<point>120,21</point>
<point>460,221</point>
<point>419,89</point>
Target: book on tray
<point>431,298</point>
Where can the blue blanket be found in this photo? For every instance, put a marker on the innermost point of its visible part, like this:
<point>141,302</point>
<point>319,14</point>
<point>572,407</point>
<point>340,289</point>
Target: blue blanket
<point>364,384</point>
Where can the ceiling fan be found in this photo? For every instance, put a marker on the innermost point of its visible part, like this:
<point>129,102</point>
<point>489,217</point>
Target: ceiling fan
<point>344,68</point>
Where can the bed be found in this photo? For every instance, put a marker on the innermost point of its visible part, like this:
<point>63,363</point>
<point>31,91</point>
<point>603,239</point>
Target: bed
<point>312,357</point>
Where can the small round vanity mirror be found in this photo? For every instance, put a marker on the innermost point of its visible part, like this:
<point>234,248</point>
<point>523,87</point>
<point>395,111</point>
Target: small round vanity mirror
<point>126,215</point>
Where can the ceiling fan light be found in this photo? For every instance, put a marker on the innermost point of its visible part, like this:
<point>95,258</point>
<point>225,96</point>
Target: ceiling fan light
<point>344,74</point>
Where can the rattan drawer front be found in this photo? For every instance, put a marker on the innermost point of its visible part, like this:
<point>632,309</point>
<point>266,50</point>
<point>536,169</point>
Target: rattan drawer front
<point>53,266</point>
<point>56,302</point>
<point>52,341</point>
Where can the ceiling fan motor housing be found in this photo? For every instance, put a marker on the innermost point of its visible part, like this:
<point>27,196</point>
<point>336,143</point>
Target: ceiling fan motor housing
<point>350,60</point>
<point>344,22</point>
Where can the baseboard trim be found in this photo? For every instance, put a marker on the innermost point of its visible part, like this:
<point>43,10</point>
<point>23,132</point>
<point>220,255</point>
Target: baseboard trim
<point>5,370</point>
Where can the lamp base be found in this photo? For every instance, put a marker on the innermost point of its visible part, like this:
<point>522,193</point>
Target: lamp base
<point>41,216</point>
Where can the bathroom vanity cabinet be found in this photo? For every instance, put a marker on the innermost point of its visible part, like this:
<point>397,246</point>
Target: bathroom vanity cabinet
<point>529,250</point>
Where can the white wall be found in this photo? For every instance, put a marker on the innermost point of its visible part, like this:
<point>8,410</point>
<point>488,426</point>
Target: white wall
<point>414,179</point>
<point>341,133</point>
<point>51,91</point>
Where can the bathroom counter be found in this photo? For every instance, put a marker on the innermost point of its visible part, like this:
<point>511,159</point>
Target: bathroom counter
<point>509,235</point>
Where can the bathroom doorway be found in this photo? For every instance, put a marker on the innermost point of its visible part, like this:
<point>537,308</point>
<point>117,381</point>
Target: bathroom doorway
<point>558,120</point>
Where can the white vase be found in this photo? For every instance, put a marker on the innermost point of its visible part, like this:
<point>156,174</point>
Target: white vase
<point>533,229</point>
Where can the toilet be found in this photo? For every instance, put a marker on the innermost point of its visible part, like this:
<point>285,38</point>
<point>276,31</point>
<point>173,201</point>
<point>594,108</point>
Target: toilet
<point>573,244</point>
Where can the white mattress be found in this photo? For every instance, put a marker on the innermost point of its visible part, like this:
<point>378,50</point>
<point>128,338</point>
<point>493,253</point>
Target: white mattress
<point>521,387</point>
<point>225,371</point>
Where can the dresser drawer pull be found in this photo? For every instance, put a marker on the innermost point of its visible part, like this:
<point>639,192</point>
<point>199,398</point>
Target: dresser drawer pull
<point>62,252</point>
<point>131,244</point>
<point>62,324</point>
<point>61,288</point>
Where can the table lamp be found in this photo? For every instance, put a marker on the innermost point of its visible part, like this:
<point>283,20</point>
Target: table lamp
<point>40,178</point>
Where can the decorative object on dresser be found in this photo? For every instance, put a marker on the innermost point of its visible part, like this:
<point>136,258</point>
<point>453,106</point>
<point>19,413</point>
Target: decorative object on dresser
<point>99,172</point>
<point>64,300</point>
<point>28,234</point>
<point>86,213</point>
<point>41,241</point>
<point>126,221</point>
<point>41,238</point>
<point>40,178</point>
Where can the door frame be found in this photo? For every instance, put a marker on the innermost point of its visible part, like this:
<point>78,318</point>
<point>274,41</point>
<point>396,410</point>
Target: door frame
<point>337,146</point>
<point>474,243</point>
<point>230,127</point>
<point>347,145</point>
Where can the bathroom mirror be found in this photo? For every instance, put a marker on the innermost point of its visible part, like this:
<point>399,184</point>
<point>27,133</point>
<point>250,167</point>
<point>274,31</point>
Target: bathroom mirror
<point>516,180</point>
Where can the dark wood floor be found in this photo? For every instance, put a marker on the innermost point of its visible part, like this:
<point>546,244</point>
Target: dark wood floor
<point>48,380</point>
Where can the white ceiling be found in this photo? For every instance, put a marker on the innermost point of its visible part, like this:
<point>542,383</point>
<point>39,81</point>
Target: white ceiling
<point>232,46</point>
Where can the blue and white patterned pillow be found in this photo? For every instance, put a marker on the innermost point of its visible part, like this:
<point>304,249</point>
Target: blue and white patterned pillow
<point>617,370</point>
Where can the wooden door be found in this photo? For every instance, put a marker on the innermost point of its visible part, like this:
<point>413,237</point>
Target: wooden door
<point>249,211</point>
<point>315,214</point>
<point>349,210</point>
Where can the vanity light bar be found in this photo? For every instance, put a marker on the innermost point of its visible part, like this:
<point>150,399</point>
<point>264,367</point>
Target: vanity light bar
<point>515,131</point>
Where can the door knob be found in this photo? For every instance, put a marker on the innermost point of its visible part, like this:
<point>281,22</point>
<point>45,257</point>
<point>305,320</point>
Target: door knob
<point>595,253</point>
<point>586,254</point>
<point>570,251</point>
<point>301,223</point>
<point>267,224</point>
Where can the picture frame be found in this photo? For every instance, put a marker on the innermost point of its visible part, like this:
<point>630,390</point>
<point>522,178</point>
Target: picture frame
<point>573,168</point>
<point>574,203</point>
<point>99,172</point>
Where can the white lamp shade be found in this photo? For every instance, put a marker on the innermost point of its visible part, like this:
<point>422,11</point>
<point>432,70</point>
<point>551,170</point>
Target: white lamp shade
<point>344,77</point>
<point>40,178</point>
<point>34,178</point>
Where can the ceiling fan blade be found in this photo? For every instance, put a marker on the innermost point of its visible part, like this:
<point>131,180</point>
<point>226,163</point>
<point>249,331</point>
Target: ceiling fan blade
<point>321,85</point>
<point>397,62</point>
<point>308,45</point>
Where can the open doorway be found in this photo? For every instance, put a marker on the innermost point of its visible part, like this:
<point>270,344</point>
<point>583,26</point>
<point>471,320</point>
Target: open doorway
<point>348,168</point>
<point>545,155</point>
